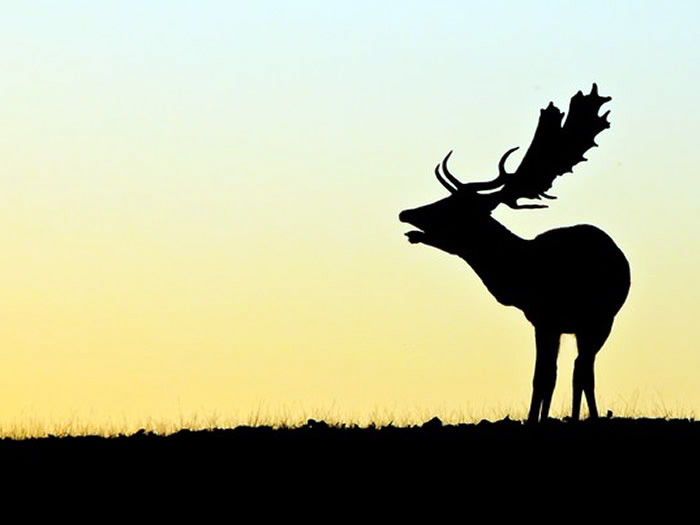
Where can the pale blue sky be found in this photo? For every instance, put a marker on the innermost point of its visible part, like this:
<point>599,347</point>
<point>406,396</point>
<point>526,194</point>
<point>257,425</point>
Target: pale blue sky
<point>218,168</point>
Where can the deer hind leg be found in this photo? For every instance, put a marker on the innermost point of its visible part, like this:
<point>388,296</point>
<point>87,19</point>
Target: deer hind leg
<point>589,342</point>
<point>545,373</point>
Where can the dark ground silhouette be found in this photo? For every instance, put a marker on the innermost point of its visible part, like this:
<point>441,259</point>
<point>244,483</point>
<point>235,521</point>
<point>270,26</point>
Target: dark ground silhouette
<point>568,280</point>
<point>490,449</point>
<point>315,442</point>
<point>500,467</point>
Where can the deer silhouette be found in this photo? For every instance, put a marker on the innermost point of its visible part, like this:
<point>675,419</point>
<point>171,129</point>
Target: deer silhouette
<point>567,280</point>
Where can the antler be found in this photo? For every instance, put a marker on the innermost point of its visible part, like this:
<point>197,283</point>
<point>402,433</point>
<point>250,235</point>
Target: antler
<point>474,186</point>
<point>555,149</point>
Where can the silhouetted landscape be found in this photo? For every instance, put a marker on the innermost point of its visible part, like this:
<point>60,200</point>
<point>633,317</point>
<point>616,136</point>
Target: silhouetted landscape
<point>350,253</point>
<point>647,444</point>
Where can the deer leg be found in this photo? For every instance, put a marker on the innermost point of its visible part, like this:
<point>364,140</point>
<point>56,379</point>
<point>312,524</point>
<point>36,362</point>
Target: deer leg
<point>578,389</point>
<point>545,373</point>
<point>583,378</point>
<point>589,342</point>
<point>589,388</point>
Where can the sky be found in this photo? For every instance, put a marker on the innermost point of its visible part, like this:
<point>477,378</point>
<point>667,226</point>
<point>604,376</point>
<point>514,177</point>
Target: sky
<point>199,202</point>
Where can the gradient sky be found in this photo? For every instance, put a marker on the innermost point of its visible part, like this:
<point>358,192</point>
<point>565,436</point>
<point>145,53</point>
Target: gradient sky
<point>199,204</point>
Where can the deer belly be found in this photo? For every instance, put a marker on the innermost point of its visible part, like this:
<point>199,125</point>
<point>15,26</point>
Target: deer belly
<point>568,306</point>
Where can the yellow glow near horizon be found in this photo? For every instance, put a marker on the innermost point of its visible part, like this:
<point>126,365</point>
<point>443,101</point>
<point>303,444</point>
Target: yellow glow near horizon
<point>199,206</point>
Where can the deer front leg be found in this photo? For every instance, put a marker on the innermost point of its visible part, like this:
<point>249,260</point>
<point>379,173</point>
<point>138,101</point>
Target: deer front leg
<point>545,373</point>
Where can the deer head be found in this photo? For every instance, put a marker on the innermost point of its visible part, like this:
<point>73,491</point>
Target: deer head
<point>555,149</point>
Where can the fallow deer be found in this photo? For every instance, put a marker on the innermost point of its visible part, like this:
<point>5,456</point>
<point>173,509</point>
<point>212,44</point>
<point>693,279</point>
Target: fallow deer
<point>567,280</point>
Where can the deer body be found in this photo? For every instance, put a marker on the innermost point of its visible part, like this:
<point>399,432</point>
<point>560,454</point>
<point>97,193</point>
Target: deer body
<point>580,274</point>
<point>567,280</point>
<point>561,277</point>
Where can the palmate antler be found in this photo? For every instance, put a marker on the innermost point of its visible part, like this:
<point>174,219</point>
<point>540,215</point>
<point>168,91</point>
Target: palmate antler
<point>555,150</point>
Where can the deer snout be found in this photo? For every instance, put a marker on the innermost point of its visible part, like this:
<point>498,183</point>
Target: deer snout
<point>407,216</point>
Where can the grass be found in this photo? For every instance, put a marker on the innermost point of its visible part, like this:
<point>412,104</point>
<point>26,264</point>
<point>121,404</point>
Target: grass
<point>286,418</point>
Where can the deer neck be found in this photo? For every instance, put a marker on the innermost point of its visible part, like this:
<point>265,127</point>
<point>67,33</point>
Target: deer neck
<point>496,255</point>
